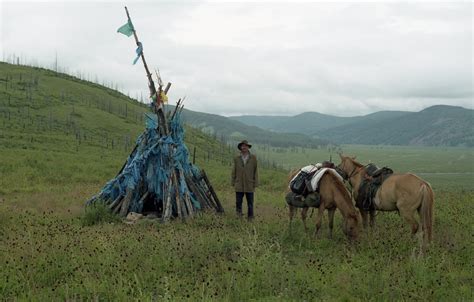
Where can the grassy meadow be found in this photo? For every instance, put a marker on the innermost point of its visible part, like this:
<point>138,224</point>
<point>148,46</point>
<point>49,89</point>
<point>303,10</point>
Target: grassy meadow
<point>50,250</point>
<point>445,168</point>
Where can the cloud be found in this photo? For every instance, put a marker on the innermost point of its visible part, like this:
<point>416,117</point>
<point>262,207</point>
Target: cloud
<point>262,58</point>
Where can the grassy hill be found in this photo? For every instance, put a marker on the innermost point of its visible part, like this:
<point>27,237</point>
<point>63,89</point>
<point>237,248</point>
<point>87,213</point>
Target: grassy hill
<point>55,128</point>
<point>434,126</point>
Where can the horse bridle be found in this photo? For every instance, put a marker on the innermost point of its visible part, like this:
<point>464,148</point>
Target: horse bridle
<point>348,176</point>
<point>353,172</point>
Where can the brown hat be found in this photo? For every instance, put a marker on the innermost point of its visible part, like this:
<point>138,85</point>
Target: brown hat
<point>244,142</point>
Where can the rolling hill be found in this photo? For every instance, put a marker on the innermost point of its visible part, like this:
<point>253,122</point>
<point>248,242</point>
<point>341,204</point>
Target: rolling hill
<point>230,130</point>
<point>439,125</point>
<point>309,122</point>
<point>46,105</point>
<point>55,128</point>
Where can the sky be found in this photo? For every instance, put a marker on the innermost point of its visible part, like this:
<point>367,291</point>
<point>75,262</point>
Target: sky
<point>266,58</point>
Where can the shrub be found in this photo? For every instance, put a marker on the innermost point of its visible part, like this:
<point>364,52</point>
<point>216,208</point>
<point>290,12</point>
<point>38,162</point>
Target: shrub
<point>98,213</point>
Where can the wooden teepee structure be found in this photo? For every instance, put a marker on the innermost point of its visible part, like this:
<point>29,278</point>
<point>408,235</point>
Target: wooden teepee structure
<point>158,177</point>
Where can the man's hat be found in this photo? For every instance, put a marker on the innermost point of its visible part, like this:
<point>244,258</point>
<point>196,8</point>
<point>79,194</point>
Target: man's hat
<point>244,142</point>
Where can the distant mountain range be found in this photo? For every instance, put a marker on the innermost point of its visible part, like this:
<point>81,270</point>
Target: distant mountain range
<point>227,129</point>
<point>77,103</point>
<point>310,122</point>
<point>439,125</point>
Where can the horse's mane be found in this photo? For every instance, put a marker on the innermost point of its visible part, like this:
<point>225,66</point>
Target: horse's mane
<point>342,188</point>
<point>339,184</point>
<point>356,163</point>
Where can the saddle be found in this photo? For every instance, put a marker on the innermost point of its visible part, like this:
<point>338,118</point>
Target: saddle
<point>369,186</point>
<point>328,164</point>
<point>301,182</point>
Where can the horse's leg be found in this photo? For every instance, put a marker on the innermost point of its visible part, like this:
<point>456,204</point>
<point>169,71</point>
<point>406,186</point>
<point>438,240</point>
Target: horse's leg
<point>331,220</point>
<point>365,219</point>
<point>291,214</point>
<point>304,214</point>
<point>319,218</point>
<point>372,218</point>
<point>409,215</point>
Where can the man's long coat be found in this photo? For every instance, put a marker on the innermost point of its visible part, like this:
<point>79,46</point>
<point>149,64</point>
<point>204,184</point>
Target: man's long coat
<point>245,177</point>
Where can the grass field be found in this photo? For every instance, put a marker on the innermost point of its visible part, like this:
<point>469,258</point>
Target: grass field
<point>446,168</point>
<point>48,251</point>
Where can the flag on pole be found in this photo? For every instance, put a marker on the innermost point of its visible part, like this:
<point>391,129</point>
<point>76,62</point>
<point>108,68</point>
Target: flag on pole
<point>126,29</point>
<point>164,97</point>
<point>139,52</point>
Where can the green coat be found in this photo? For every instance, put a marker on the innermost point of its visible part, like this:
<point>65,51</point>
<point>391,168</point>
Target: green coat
<point>245,178</point>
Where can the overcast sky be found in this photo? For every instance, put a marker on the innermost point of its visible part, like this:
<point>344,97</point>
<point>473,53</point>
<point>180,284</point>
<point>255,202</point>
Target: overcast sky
<point>260,57</point>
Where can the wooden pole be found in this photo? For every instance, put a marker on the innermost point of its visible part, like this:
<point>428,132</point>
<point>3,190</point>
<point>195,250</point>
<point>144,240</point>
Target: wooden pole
<point>115,202</point>
<point>168,86</point>
<point>181,213</point>
<point>219,209</point>
<point>200,197</point>
<point>126,202</point>
<point>151,85</point>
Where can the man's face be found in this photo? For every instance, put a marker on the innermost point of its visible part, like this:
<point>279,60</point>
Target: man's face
<point>244,148</point>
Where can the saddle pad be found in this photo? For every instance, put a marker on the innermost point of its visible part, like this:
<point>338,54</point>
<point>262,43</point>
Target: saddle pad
<point>318,175</point>
<point>311,168</point>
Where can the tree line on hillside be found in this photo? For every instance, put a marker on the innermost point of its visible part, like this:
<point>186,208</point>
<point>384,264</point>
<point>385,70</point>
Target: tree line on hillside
<point>27,112</point>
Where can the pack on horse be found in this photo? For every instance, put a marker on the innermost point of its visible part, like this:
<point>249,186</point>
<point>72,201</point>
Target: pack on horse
<point>332,194</point>
<point>406,193</point>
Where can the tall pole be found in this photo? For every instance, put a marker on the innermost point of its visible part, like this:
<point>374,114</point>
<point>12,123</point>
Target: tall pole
<point>151,85</point>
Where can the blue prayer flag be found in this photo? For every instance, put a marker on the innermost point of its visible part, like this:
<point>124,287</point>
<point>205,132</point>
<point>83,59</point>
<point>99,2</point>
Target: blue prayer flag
<point>139,52</point>
<point>126,29</point>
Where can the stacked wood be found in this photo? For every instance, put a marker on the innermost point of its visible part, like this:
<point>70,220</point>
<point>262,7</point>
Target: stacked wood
<point>158,176</point>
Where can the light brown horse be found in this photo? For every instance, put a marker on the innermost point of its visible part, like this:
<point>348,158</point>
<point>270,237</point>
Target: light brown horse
<point>406,193</point>
<point>333,194</point>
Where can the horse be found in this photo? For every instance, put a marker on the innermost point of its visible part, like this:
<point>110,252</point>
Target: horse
<point>333,194</point>
<point>405,193</point>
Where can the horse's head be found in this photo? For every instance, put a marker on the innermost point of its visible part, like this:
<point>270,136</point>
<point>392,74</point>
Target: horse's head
<point>347,166</point>
<point>351,227</point>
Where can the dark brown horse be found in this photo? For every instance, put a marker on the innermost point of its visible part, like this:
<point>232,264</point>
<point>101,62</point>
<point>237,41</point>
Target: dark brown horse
<point>406,193</point>
<point>333,194</point>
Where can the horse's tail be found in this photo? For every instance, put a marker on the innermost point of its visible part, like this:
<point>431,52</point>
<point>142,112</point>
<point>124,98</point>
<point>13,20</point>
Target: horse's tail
<point>426,213</point>
<point>292,174</point>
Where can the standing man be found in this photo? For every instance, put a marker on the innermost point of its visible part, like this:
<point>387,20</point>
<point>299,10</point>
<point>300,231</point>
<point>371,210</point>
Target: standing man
<point>244,177</point>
